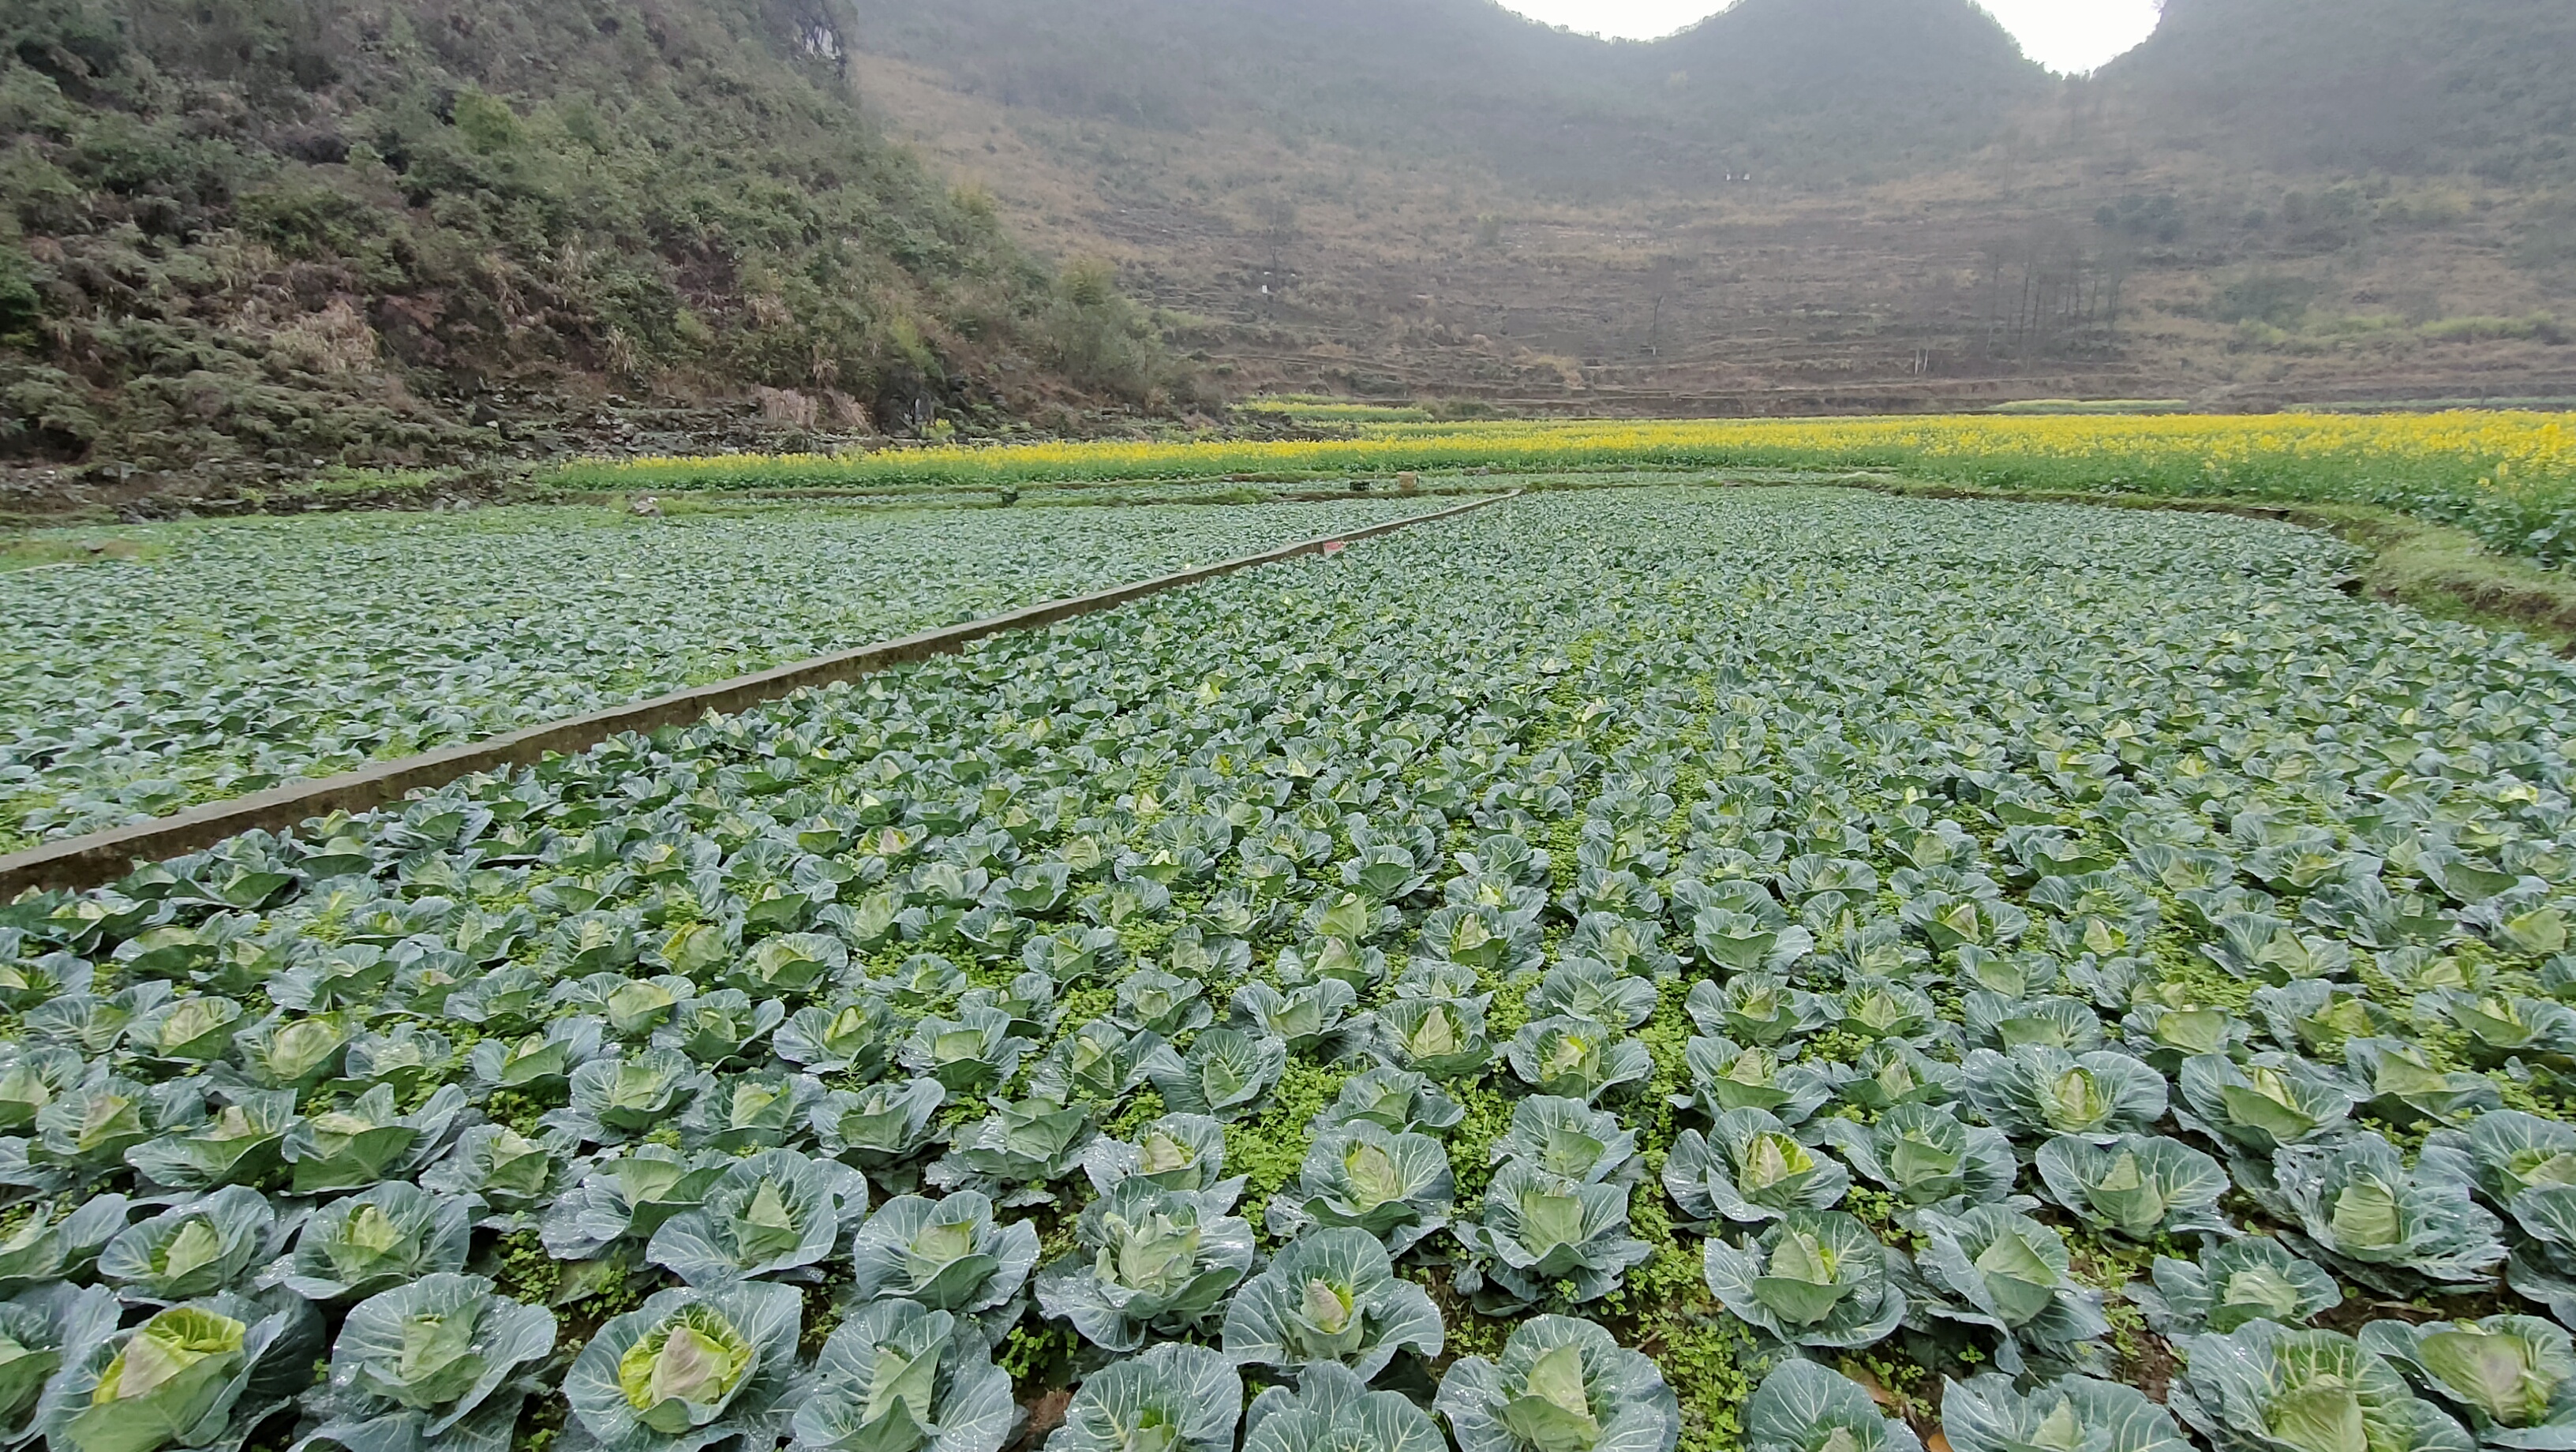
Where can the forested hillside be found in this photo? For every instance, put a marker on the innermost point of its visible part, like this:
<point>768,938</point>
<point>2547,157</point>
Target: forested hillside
<point>262,235</point>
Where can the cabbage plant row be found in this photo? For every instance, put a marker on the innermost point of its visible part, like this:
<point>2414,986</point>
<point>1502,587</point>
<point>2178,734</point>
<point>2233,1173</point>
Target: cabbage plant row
<point>2009,949</point>
<point>238,655</point>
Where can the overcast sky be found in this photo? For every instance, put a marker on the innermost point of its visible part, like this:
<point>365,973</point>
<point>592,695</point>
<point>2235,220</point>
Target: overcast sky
<point>2064,35</point>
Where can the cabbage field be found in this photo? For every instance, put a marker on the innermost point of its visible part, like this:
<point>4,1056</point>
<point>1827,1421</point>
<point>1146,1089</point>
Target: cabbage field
<point>234,656</point>
<point>1791,970</point>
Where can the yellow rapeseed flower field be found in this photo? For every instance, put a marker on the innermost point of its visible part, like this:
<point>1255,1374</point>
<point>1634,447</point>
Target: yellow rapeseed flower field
<point>2508,477</point>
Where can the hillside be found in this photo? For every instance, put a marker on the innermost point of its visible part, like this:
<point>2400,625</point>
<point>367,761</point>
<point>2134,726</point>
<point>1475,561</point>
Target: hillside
<point>2481,87</point>
<point>246,237</point>
<point>1828,90</point>
<point>1796,204</point>
<point>1444,79</point>
<point>249,238</point>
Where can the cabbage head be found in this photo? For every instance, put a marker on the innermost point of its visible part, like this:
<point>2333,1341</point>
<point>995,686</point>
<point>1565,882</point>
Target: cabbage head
<point>368,1141</point>
<point>199,1374</point>
<point>2257,1107</point>
<point>1172,1397</point>
<point>1924,1156</point>
<point>2255,1278</point>
<point>1995,1021</point>
<point>740,1113</point>
<point>901,1377</point>
<point>615,1099</point>
<point>38,1330</point>
<point>1758,1009</point>
<point>1226,1074</point>
<point>2170,1034</point>
<point>242,1143</point>
<point>2266,1387</point>
<point>690,1368</point>
<point>1017,1151</point>
<point>31,1078</point>
<point>1397,1187</point>
<point>1877,1009</point>
<point>1149,1261</point>
<point>1986,1415</point>
<point>1332,1410</point>
<point>1816,1279</point>
<point>194,1249</point>
<point>1175,1151</point>
<point>441,1362</point>
<point>1726,1076</point>
<point>2503,1027</point>
<point>2512,1379</point>
<point>1441,1037</point>
<point>1560,1385</point>
<point>1164,1004</point>
<point>2138,1186</point>
<point>1890,1075</point>
<point>1575,1058</point>
<point>46,1247</point>
<point>2035,1092</point>
<point>630,1194</point>
<point>1749,1169</point>
<point>1331,1297</point>
<point>514,1175</point>
<point>847,1038</point>
<point>1302,1017</point>
<point>538,1065</point>
<point>1995,1267</point>
<point>1804,1407</point>
<point>973,1052</point>
<point>1398,1101</point>
<point>1544,1234</point>
<point>2511,1154</point>
<point>2401,1087</point>
<point>880,1126</point>
<point>2525,1166</point>
<point>377,1239</point>
<point>2354,1205</point>
<point>776,1211</point>
<point>946,1254</point>
<point>1585,989</point>
<point>1567,1137</point>
<point>1101,1061</point>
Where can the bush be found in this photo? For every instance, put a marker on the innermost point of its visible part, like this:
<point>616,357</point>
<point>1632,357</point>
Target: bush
<point>2271,298</point>
<point>19,304</point>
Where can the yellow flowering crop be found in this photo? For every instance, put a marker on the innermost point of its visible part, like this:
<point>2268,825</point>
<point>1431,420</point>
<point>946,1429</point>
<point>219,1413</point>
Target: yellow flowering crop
<point>2509,477</point>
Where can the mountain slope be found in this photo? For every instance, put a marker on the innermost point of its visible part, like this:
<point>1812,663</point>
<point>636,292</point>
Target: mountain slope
<point>1796,204</point>
<point>1826,88</point>
<point>1830,87</point>
<point>2402,85</point>
<point>259,235</point>
<point>1451,78</point>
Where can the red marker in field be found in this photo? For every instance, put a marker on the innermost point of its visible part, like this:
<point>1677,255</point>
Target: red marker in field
<point>1335,546</point>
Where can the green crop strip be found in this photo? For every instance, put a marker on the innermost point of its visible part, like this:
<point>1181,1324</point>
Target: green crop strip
<point>197,663</point>
<point>1721,953</point>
